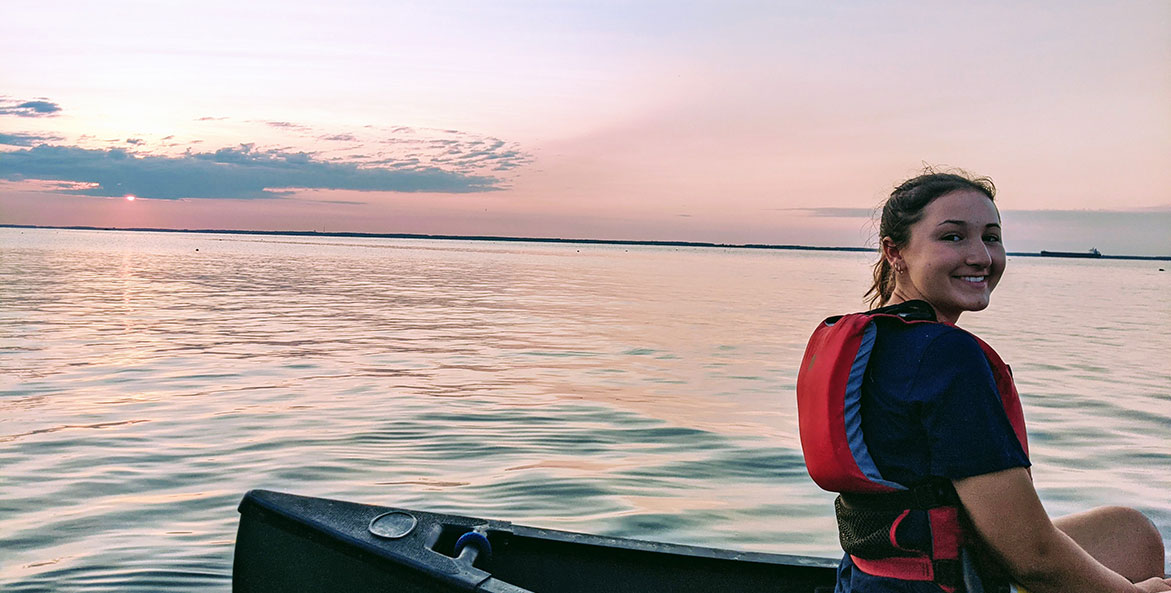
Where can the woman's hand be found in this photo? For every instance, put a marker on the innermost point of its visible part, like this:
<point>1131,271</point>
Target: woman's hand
<point>1152,585</point>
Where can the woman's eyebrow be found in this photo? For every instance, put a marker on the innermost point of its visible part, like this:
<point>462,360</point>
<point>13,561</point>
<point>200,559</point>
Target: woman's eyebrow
<point>964,223</point>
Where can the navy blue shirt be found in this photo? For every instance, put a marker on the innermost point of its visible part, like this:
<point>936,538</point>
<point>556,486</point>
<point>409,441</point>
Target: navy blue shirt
<point>930,407</point>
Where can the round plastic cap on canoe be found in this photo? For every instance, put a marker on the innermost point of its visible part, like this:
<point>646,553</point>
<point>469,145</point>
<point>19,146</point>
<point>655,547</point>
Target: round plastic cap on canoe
<point>393,525</point>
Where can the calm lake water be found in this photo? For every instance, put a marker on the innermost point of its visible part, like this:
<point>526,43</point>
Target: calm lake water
<point>148,380</point>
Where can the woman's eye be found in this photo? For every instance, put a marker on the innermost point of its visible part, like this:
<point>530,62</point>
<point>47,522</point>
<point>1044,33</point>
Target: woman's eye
<point>951,237</point>
<point>992,239</point>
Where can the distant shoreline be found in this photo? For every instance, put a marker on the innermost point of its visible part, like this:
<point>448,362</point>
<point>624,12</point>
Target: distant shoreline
<point>525,240</point>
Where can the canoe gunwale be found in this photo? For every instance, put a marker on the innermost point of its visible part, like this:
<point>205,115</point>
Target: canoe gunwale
<point>264,499</point>
<point>427,552</point>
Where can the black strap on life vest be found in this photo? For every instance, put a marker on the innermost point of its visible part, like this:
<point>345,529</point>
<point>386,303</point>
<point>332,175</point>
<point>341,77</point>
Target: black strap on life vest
<point>929,494</point>
<point>908,310</point>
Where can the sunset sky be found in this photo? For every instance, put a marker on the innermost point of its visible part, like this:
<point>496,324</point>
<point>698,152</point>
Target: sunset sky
<point>738,122</point>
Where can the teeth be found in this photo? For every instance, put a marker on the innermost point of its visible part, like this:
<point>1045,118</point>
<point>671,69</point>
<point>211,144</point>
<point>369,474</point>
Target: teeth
<point>972,278</point>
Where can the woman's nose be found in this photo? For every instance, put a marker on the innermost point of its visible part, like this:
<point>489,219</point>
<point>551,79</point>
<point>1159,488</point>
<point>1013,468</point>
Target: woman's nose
<point>978,255</point>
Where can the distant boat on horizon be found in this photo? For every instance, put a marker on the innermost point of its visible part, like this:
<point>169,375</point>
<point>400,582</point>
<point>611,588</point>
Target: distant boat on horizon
<point>1092,253</point>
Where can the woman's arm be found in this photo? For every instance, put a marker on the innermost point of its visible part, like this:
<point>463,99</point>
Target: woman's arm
<point>1008,517</point>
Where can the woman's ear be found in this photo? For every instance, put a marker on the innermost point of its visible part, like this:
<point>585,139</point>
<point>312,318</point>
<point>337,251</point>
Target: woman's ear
<point>891,253</point>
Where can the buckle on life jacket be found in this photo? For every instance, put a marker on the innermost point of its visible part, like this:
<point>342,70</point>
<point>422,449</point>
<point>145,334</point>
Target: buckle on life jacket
<point>949,573</point>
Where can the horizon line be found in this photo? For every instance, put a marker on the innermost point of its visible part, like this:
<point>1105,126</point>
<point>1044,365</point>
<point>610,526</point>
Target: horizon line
<point>702,244</point>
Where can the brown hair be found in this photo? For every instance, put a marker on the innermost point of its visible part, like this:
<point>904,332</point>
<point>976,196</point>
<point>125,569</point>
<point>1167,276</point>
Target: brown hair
<point>904,208</point>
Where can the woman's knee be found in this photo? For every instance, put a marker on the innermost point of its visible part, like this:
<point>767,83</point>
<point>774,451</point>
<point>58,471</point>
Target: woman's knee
<point>1148,541</point>
<point>1141,530</point>
<point>1122,538</point>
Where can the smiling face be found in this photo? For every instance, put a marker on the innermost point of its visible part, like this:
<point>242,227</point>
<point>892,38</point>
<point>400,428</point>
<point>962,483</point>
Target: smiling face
<point>954,257</point>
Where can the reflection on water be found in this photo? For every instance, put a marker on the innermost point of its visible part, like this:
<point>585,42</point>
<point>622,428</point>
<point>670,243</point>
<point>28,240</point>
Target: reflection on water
<point>148,380</point>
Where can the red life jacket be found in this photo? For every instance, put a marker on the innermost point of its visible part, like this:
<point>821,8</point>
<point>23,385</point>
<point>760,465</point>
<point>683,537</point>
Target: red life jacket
<point>829,401</point>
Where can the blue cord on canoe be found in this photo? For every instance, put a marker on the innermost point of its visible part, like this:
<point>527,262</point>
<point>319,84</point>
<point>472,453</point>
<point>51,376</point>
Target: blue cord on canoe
<point>477,540</point>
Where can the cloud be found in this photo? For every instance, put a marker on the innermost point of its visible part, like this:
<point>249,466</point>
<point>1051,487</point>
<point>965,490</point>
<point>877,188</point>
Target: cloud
<point>35,108</point>
<point>286,124</point>
<point>366,158</point>
<point>232,173</point>
<point>21,139</point>
<point>828,212</point>
<point>389,146</point>
<point>458,150</point>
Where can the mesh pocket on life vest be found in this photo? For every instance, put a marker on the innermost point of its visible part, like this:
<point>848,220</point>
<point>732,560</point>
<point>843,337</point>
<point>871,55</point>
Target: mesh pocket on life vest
<point>865,533</point>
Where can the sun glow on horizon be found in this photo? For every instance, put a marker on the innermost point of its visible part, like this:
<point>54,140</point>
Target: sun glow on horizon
<point>130,197</point>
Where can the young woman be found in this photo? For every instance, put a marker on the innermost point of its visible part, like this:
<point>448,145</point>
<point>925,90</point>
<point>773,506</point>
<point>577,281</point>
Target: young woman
<point>918,425</point>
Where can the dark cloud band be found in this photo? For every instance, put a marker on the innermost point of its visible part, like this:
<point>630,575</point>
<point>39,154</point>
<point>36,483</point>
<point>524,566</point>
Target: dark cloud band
<point>36,108</point>
<point>232,173</point>
<point>829,212</point>
<point>21,139</point>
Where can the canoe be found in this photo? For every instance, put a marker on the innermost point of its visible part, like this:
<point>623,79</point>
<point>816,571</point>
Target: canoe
<point>290,543</point>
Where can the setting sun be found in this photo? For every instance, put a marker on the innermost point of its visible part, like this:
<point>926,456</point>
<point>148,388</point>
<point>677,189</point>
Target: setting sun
<point>129,198</point>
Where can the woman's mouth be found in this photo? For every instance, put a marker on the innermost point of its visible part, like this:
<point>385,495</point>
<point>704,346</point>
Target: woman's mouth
<point>973,279</point>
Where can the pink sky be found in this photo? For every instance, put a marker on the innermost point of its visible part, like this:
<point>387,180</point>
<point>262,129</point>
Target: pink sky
<point>725,122</point>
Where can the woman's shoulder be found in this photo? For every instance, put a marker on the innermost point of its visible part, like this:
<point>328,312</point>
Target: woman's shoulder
<point>909,350</point>
<point>917,336</point>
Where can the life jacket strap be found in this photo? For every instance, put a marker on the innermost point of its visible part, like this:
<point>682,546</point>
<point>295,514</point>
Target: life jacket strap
<point>929,494</point>
<point>948,574</point>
